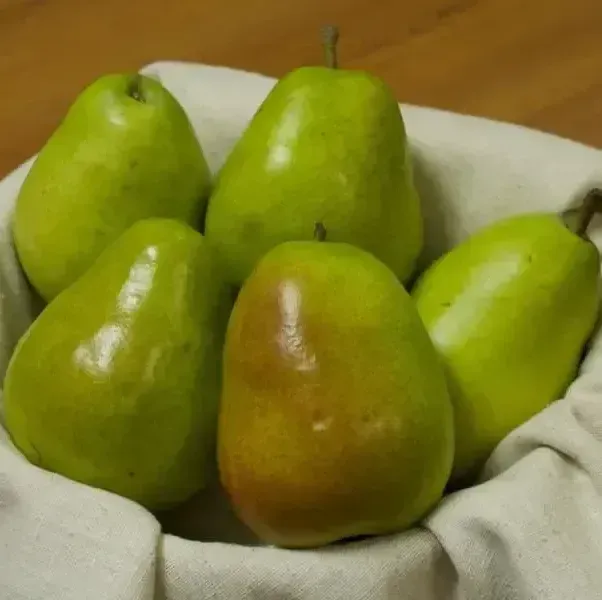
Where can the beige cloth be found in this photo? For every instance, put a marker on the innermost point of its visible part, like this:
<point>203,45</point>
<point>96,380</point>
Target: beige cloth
<point>532,530</point>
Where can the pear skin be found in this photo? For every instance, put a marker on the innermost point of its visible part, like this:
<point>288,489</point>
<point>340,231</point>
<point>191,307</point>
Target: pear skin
<point>116,383</point>
<point>124,151</point>
<point>327,144</point>
<point>509,310</point>
<point>335,419</point>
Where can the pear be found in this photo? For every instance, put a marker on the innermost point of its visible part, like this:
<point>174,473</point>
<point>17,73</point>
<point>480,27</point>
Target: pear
<point>510,310</point>
<point>334,420</point>
<point>116,383</point>
<point>327,144</point>
<point>124,151</point>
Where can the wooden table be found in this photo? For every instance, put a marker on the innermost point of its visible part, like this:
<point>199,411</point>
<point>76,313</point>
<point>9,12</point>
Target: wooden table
<point>535,62</point>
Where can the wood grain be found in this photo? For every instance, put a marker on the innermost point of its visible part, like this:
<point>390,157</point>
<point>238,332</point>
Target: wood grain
<point>536,62</point>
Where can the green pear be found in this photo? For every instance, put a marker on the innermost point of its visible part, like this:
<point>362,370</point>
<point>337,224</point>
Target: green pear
<point>116,383</point>
<point>125,151</point>
<point>510,310</point>
<point>335,420</point>
<point>328,145</point>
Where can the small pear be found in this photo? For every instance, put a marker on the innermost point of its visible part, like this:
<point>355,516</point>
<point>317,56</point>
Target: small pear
<point>125,151</point>
<point>327,144</point>
<point>335,419</point>
<point>510,310</point>
<point>116,383</point>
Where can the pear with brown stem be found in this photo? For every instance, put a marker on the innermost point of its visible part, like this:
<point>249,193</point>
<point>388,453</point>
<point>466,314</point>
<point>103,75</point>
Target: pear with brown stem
<point>327,144</point>
<point>335,420</point>
<point>510,311</point>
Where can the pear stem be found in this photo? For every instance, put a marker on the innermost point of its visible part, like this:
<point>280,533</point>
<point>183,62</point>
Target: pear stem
<point>591,205</point>
<point>319,232</point>
<point>330,39</point>
<point>134,89</point>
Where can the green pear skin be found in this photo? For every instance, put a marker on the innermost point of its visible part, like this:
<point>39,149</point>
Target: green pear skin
<point>116,384</point>
<point>509,311</point>
<point>326,145</point>
<point>335,420</point>
<point>124,151</point>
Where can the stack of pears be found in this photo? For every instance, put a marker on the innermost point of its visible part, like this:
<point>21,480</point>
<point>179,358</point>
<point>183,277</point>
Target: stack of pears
<point>116,384</point>
<point>259,331</point>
